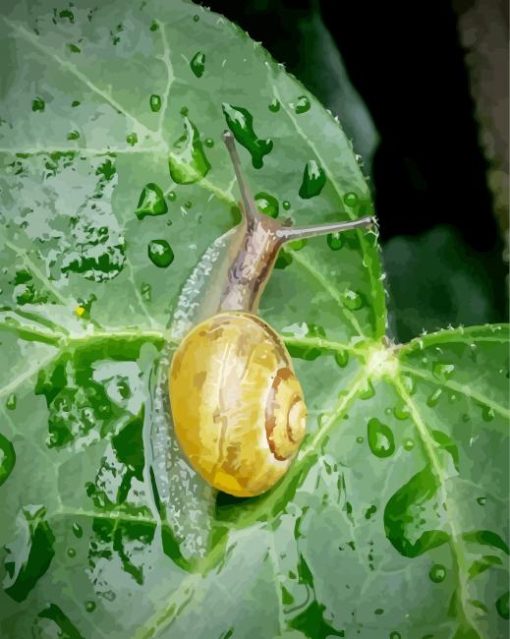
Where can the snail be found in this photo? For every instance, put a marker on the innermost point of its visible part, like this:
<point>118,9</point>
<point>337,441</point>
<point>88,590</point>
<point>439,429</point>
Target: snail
<point>238,408</point>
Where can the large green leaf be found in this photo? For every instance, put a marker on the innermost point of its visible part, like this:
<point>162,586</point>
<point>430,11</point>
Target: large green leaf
<point>392,520</point>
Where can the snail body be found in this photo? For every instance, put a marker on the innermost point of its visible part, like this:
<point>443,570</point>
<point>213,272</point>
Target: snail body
<point>237,406</point>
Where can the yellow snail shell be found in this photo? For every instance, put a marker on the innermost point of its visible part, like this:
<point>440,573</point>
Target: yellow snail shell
<point>238,408</point>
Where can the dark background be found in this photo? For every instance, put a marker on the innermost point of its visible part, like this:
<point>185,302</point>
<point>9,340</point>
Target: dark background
<point>396,75</point>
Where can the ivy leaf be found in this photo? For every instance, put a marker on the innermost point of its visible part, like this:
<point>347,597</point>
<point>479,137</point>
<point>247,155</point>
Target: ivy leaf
<point>391,521</point>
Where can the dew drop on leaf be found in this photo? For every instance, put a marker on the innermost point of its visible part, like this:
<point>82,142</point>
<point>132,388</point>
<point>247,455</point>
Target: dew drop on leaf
<point>351,199</point>
<point>274,107</point>
<point>409,384</point>
<point>286,204</point>
<point>188,163</point>
<point>434,397</point>
<point>335,241</point>
<point>75,103</point>
<point>209,143</point>
<point>30,553</point>
<point>488,414</point>
<point>11,401</point>
<point>196,18</point>
<point>360,439</point>
<point>352,300</point>
<point>151,201</point>
<point>481,501</point>
<point>240,122</point>
<point>154,26</point>
<point>7,458</point>
<point>146,291</point>
<point>302,105</point>
<point>155,102</point>
<point>38,104</point>
<point>172,196</point>
<point>160,253</point>
<point>401,411</point>
<point>131,139</point>
<point>367,391</point>
<point>314,179</point>
<point>502,605</point>
<point>71,552</point>
<point>197,64</point>
<point>73,135</point>
<point>408,444</point>
<point>395,635</point>
<point>90,606</point>
<point>342,358</point>
<point>77,530</point>
<point>437,573</point>
<point>267,204</point>
<point>380,438</point>
<point>443,371</point>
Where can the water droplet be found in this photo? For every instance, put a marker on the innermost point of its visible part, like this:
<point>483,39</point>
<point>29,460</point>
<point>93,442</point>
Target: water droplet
<point>160,253</point>
<point>240,122</point>
<point>267,204</point>
<point>274,107</point>
<point>188,204</point>
<point>302,104</point>
<point>378,611</point>
<point>11,401</point>
<point>90,606</point>
<point>155,102</point>
<point>7,458</point>
<point>408,444</point>
<point>196,18</point>
<point>352,300</point>
<point>502,605</point>
<point>283,260</point>
<point>360,439</point>
<point>433,399</point>
<point>73,135</point>
<point>488,414</point>
<point>151,201</point>
<point>437,573</point>
<point>342,358</point>
<point>367,392</point>
<point>189,164</point>
<point>154,26</point>
<point>409,384</point>
<point>370,511</point>
<point>380,438</point>
<point>335,241</point>
<point>73,48</point>
<point>401,411</point>
<point>71,552</point>
<point>443,371</point>
<point>351,199</point>
<point>172,196</point>
<point>38,104</point>
<point>30,553</point>
<point>67,14</point>
<point>75,103</point>
<point>395,635</point>
<point>209,142</point>
<point>146,291</point>
<point>197,64</point>
<point>131,139</point>
<point>77,530</point>
<point>314,179</point>
<point>481,501</point>
<point>297,245</point>
<point>286,204</point>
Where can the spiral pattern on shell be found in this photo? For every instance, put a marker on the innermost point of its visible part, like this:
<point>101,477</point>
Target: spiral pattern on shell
<point>237,405</point>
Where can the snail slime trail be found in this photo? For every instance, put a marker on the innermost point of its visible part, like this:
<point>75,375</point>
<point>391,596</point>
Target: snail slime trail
<point>238,408</point>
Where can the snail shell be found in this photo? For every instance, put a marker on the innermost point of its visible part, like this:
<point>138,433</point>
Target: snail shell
<point>237,404</point>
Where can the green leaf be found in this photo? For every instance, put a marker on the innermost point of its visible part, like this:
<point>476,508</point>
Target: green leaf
<point>391,521</point>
